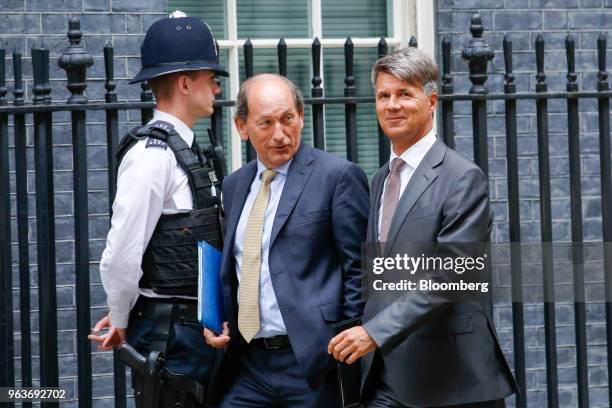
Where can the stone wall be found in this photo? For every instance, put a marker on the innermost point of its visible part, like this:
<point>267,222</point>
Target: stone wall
<point>523,20</point>
<point>44,23</point>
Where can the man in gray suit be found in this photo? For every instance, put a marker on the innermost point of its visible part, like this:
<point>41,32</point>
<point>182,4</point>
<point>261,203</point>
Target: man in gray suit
<point>423,349</point>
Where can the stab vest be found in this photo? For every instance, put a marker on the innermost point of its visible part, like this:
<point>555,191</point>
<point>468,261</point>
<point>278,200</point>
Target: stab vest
<point>170,261</point>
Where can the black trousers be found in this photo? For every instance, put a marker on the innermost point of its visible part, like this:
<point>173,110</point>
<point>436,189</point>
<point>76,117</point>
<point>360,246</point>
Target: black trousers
<point>381,402</point>
<point>185,349</point>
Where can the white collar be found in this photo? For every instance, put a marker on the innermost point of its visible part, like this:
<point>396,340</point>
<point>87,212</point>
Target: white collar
<point>181,128</point>
<point>415,153</point>
<point>282,169</point>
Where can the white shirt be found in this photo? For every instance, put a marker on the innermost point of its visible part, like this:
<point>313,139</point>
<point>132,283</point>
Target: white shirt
<point>271,320</point>
<point>149,183</point>
<point>412,157</point>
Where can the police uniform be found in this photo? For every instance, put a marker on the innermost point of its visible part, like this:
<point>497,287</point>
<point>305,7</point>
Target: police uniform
<point>165,202</point>
<point>149,183</point>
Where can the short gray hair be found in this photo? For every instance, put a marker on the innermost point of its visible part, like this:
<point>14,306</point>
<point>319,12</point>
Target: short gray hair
<point>409,64</point>
<point>242,101</point>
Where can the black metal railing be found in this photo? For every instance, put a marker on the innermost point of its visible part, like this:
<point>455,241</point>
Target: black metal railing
<point>477,54</point>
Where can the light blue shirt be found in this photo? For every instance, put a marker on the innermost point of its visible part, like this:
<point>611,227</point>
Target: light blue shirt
<point>270,317</point>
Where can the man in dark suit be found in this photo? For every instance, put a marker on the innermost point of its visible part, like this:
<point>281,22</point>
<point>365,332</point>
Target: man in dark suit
<point>423,349</point>
<point>296,218</point>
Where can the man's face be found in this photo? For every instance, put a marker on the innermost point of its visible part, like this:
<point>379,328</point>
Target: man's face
<point>202,95</point>
<point>404,111</point>
<point>273,124</point>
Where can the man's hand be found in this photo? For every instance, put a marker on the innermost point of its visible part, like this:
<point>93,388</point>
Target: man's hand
<point>351,344</point>
<point>113,338</point>
<point>217,341</point>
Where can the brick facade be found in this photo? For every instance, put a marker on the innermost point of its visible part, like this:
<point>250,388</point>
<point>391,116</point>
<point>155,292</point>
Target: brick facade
<point>523,20</point>
<point>35,23</point>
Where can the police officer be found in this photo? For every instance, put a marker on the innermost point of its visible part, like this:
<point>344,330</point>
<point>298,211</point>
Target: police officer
<point>165,202</point>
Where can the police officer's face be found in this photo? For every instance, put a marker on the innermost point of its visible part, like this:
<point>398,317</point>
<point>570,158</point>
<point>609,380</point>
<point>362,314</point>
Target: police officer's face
<point>202,95</point>
<point>273,124</point>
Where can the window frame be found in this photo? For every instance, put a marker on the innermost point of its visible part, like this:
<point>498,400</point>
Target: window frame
<point>405,18</point>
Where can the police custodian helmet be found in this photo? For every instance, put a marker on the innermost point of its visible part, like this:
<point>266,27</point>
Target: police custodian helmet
<point>178,43</point>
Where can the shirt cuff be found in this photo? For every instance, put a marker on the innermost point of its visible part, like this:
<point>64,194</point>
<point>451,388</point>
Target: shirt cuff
<point>120,308</point>
<point>119,320</point>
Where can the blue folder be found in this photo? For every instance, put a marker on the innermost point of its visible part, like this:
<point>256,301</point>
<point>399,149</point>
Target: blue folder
<point>211,312</point>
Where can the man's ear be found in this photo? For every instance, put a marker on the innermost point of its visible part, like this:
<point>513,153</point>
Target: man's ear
<point>241,126</point>
<point>301,116</point>
<point>433,100</point>
<point>183,84</point>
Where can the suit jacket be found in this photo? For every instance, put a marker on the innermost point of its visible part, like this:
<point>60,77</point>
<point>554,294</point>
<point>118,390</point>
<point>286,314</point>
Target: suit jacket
<point>435,352</point>
<point>314,256</point>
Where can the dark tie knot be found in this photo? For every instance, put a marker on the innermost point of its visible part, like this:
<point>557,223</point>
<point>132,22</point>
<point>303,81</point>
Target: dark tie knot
<point>397,164</point>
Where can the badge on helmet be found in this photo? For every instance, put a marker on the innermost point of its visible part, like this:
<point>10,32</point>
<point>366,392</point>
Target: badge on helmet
<point>178,43</point>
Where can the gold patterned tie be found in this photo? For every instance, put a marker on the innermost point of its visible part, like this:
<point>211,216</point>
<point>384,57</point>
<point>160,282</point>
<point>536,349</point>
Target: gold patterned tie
<point>248,309</point>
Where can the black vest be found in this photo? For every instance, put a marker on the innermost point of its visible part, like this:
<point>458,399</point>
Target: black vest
<point>170,262</point>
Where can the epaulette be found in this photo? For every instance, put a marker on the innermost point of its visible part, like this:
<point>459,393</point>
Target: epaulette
<point>155,142</point>
<point>158,127</point>
<point>165,127</point>
<point>157,133</point>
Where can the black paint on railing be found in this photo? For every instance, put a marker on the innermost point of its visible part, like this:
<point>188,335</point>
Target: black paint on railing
<point>478,54</point>
<point>216,120</point>
<point>112,141</point>
<point>350,109</point>
<point>216,123</point>
<point>146,114</point>
<point>248,70</point>
<point>75,61</point>
<point>112,121</point>
<point>603,107</point>
<point>318,129</point>
<point>328,100</point>
<point>550,336</point>
<point>514,224</point>
<point>7,373</point>
<point>248,58</point>
<point>573,126</point>
<point>21,192</point>
<point>45,226</point>
<point>447,117</point>
<point>282,57</point>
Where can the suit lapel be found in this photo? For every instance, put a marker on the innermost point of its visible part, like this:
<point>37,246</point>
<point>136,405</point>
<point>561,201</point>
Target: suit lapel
<point>377,188</point>
<point>242,191</point>
<point>422,178</point>
<point>297,176</point>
